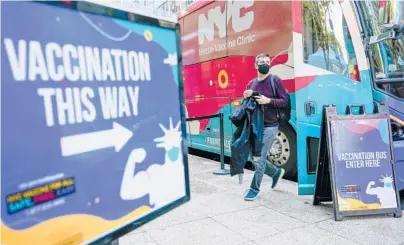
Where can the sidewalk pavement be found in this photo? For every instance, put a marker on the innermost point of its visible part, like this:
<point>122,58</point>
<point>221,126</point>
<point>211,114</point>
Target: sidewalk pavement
<point>218,215</point>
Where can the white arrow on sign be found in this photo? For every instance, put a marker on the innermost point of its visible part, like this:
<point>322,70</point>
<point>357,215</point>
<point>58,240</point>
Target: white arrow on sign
<point>81,143</point>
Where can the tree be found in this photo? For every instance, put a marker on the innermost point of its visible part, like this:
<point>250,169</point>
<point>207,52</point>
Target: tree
<point>315,12</point>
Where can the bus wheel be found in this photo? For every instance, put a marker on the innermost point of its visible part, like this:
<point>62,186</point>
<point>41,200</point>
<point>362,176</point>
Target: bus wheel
<point>283,152</point>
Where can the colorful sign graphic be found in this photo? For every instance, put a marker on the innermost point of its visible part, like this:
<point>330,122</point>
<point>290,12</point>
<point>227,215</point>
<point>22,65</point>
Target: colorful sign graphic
<point>363,168</point>
<point>91,133</point>
<point>29,198</point>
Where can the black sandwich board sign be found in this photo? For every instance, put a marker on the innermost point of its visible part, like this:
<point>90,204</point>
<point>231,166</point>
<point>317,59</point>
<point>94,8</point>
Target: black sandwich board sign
<point>356,168</point>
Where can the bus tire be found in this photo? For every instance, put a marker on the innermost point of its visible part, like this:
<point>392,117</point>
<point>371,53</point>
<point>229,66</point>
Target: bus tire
<point>283,152</point>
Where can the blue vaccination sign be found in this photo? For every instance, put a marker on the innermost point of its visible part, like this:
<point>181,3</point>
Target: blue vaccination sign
<point>92,128</point>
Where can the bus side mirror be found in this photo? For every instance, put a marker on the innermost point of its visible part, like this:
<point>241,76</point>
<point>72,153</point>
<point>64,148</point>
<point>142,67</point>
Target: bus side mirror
<point>390,32</point>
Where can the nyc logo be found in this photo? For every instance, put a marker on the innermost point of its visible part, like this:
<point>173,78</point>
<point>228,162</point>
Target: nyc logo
<point>216,18</point>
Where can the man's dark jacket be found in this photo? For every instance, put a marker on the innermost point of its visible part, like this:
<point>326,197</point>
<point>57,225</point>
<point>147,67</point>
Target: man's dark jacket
<point>249,120</point>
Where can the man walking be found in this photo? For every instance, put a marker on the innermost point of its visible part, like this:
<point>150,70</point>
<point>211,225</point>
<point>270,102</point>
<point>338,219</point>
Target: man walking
<point>271,103</point>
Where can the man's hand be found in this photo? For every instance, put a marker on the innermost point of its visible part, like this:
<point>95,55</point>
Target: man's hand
<point>262,99</point>
<point>247,93</point>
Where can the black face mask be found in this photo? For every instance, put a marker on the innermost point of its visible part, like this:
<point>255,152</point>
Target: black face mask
<point>263,69</point>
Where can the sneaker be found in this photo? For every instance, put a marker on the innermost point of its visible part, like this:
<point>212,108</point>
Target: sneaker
<point>277,177</point>
<point>251,195</point>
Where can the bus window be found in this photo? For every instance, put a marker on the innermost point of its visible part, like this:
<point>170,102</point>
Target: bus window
<point>394,88</point>
<point>326,39</point>
<point>388,63</point>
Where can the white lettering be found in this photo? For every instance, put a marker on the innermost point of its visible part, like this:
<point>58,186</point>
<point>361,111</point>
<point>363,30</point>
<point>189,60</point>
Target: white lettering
<point>78,108</point>
<point>18,62</point>
<point>93,63</point>
<point>134,63</point>
<point>109,102</point>
<point>37,65</point>
<point>47,94</point>
<point>53,50</point>
<point>65,105</point>
<point>73,63</point>
<point>218,18</point>
<point>124,108</point>
<point>144,66</point>
<point>245,39</point>
<point>205,29</point>
<point>107,66</point>
<point>240,23</point>
<point>134,98</point>
<point>86,95</point>
<point>82,63</point>
<point>119,101</point>
<point>33,61</point>
<point>362,159</point>
<point>69,53</point>
<point>75,102</point>
<point>117,58</point>
<point>126,65</point>
<point>215,142</point>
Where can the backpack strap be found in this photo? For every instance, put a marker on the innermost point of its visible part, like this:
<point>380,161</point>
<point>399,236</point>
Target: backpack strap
<point>274,91</point>
<point>273,86</point>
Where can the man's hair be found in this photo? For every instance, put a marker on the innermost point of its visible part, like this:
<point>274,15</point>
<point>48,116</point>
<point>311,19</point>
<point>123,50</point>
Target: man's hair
<point>261,55</point>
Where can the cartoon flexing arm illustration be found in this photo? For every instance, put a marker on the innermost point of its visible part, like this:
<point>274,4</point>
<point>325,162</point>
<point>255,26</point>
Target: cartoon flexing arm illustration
<point>370,190</point>
<point>385,194</point>
<point>130,184</point>
<point>163,182</point>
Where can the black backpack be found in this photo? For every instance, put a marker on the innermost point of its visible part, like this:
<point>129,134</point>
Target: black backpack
<point>283,113</point>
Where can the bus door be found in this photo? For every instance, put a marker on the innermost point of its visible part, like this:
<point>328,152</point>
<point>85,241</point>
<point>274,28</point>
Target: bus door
<point>330,68</point>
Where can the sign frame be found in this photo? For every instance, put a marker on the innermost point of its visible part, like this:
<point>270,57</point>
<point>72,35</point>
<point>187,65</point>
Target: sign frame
<point>325,184</point>
<point>110,12</point>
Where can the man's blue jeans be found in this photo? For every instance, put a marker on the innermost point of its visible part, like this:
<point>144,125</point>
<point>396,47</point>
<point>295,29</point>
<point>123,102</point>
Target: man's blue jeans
<point>262,165</point>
